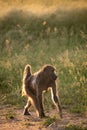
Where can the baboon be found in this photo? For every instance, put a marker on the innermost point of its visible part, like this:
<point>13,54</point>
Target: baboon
<point>35,84</point>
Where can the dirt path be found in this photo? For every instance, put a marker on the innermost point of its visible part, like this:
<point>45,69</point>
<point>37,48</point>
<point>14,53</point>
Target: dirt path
<point>12,118</point>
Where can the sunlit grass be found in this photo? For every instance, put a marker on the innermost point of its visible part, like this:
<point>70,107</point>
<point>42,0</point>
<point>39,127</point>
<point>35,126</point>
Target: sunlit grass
<point>48,121</point>
<point>75,127</point>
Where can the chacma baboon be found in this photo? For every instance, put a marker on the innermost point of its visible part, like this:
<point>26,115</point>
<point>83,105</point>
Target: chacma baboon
<point>35,84</point>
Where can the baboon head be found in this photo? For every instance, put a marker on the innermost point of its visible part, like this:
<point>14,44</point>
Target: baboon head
<point>50,72</point>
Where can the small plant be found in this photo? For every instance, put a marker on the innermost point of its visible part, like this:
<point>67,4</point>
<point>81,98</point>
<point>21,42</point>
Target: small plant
<point>74,127</point>
<point>47,122</point>
<point>26,124</point>
<point>10,115</point>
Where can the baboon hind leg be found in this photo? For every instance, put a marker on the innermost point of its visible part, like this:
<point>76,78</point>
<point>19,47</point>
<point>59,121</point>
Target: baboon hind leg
<point>26,108</point>
<point>34,100</point>
<point>37,105</point>
<point>41,105</point>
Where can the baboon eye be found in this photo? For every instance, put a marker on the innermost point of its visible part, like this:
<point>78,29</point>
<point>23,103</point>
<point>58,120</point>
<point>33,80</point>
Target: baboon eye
<point>53,70</point>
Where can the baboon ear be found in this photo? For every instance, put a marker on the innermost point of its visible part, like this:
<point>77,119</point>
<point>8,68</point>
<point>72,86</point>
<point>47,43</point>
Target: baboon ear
<point>48,68</point>
<point>45,68</point>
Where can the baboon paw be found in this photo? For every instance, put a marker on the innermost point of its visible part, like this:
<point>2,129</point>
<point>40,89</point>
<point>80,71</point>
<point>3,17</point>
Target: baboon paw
<point>43,116</point>
<point>61,116</point>
<point>46,117</point>
<point>26,113</point>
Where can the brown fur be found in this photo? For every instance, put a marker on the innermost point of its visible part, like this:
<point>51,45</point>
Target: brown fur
<point>35,84</point>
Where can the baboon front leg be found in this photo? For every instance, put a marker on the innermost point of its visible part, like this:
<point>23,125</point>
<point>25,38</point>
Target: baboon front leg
<point>56,99</point>
<point>26,109</point>
<point>40,103</point>
<point>57,103</point>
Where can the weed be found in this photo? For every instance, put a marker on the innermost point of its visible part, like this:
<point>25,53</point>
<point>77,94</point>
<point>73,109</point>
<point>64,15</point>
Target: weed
<point>10,115</point>
<point>74,127</point>
<point>47,122</point>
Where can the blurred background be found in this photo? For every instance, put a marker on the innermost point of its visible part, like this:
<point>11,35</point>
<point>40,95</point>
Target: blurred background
<point>44,32</point>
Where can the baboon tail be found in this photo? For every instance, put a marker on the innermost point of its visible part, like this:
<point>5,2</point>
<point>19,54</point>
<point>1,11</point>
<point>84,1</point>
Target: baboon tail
<point>26,75</point>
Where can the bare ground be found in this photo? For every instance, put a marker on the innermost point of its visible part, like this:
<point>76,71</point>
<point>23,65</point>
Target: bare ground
<point>12,118</point>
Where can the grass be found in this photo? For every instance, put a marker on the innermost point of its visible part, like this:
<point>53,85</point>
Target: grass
<point>10,115</point>
<point>74,127</point>
<point>59,39</point>
<point>49,121</point>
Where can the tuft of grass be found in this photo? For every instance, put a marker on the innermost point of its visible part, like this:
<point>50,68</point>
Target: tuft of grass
<point>74,127</point>
<point>49,121</point>
<point>26,124</point>
<point>10,115</point>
